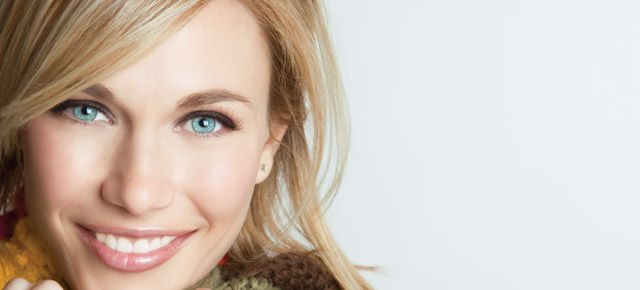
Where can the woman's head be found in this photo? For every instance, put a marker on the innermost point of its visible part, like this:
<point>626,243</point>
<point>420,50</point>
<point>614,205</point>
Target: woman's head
<point>187,116</point>
<point>173,142</point>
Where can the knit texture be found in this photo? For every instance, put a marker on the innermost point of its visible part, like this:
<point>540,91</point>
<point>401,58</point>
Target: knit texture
<point>289,271</point>
<point>214,281</point>
<point>24,256</point>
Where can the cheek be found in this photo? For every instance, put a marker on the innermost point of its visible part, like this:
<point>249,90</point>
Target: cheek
<point>221,182</point>
<point>59,166</point>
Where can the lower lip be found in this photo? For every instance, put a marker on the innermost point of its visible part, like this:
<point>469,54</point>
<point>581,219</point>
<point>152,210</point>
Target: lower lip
<point>130,262</point>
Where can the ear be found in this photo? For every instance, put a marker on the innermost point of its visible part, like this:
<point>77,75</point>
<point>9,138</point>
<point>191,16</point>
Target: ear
<point>269,151</point>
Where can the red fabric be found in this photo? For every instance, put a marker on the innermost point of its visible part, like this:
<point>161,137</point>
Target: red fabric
<point>8,220</point>
<point>223,260</point>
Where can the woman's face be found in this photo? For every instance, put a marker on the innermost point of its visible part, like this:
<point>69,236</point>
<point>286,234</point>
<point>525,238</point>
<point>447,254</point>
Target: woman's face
<point>143,181</point>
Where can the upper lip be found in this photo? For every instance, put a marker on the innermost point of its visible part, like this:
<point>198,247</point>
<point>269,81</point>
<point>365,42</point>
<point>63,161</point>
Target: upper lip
<point>135,233</point>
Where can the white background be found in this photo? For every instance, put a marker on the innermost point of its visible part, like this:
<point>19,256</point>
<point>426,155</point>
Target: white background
<point>495,143</point>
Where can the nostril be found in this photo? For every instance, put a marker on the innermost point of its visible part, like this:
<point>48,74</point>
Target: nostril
<point>138,196</point>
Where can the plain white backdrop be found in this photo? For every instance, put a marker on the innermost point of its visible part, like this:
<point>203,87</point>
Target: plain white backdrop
<point>496,144</point>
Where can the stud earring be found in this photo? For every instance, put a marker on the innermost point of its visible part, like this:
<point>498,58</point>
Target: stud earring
<point>263,167</point>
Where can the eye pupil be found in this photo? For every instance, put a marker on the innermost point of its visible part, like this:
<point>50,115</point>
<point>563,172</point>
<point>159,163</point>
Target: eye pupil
<point>203,125</point>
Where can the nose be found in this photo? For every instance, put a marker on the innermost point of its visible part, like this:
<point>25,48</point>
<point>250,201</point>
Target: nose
<point>139,181</point>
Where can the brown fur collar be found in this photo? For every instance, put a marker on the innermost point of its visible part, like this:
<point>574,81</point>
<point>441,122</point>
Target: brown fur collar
<point>289,271</point>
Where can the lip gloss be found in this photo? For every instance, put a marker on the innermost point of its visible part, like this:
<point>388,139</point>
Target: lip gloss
<point>132,262</point>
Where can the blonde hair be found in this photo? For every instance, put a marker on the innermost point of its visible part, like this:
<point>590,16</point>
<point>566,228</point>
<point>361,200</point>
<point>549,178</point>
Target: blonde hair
<point>48,52</point>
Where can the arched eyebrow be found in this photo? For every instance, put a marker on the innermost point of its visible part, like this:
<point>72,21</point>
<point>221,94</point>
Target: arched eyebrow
<point>211,97</point>
<point>192,100</point>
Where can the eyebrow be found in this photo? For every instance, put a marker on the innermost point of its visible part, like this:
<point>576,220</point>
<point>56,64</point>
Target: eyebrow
<point>192,100</point>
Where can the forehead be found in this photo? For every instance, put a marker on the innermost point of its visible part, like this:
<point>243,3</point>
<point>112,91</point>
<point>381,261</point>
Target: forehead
<point>221,47</point>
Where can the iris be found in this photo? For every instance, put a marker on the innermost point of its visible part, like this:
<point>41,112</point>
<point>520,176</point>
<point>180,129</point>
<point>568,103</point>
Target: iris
<point>85,113</point>
<point>203,125</point>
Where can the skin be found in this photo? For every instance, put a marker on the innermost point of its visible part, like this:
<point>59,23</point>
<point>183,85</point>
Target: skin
<point>140,167</point>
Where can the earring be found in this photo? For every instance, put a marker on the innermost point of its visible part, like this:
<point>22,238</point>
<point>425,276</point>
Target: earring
<point>263,167</point>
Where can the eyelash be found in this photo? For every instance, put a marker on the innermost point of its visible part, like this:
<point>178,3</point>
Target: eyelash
<point>225,118</point>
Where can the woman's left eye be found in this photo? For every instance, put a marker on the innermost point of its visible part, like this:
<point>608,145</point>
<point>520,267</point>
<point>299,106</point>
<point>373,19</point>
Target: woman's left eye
<point>207,123</point>
<point>204,125</point>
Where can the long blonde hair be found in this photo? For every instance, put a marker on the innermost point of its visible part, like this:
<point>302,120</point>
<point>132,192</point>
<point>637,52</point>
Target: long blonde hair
<point>48,51</point>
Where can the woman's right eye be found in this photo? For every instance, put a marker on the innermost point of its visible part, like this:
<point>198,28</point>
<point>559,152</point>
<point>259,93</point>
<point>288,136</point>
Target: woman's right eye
<point>84,112</point>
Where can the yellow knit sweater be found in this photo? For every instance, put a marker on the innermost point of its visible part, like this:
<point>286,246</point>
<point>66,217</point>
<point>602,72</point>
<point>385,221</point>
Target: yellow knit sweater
<point>24,256</point>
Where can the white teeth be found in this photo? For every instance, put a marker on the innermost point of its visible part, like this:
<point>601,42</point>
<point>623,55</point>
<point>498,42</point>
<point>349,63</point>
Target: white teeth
<point>124,245</point>
<point>111,242</point>
<point>140,246</point>
<point>155,244</point>
<point>166,240</point>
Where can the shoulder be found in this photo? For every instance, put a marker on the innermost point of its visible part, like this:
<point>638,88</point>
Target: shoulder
<point>285,271</point>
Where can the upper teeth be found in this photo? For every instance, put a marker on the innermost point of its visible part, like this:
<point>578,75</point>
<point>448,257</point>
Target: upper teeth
<point>140,246</point>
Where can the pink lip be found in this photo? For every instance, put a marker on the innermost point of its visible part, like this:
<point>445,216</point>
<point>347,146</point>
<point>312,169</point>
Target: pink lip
<point>130,262</point>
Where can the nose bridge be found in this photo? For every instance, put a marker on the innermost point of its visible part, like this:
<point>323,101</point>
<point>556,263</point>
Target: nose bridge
<point>140,181</point>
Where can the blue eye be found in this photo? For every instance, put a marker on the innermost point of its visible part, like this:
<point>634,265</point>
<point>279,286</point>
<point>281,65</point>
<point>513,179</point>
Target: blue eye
<point>207,123</point>
<point>85,113</point>
<point>204,125</point>
<point>82,111</point>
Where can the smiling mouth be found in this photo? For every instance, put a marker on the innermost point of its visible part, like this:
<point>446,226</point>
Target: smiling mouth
<point>139,246</point>
<point>133,250</point>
